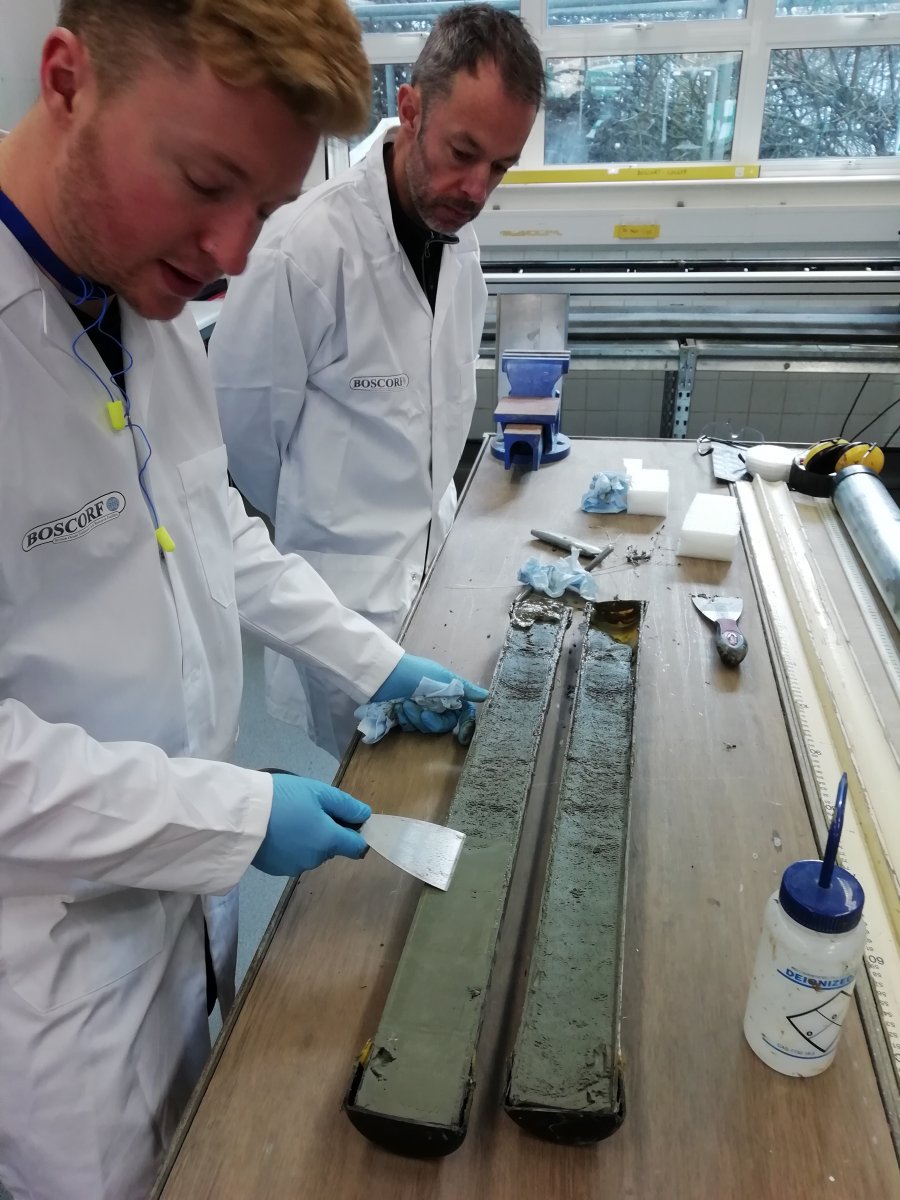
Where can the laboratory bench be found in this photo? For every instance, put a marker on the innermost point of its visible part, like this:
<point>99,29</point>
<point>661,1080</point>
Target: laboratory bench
<point>717,812</point>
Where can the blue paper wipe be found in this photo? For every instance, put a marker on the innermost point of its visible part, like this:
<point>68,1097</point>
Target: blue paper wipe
<point>607,493</point>
<point>375,720</point>
<point>567,574</point>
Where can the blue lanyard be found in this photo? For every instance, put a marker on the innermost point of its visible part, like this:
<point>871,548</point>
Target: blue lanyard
<point>80,288</point>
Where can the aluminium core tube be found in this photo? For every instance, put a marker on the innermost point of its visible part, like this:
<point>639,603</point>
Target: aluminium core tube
<point>872,519</point>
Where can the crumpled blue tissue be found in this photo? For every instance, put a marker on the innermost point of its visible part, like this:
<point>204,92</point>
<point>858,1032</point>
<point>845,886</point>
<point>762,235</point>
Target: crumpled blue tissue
<point>557,577</point>
<point>607,493</point>
<point>375,720</point>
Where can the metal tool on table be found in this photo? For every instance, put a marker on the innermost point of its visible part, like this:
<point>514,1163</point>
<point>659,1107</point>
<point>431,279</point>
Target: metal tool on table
<point>596,554</point>
<point>724,612</point>
<point>728,449</point>
<point>583,549</point>
<point>421,848</point>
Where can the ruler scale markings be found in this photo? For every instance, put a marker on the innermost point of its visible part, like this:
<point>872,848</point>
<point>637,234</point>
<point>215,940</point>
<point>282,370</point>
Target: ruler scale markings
<point>855,722</point>
<point>882,957</point>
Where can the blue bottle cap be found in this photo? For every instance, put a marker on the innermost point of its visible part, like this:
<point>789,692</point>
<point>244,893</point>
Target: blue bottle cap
<point>833,909</point>
<point>821,895</point>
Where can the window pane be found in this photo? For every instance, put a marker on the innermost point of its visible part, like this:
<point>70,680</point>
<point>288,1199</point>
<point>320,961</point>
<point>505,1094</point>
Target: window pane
<point>805,8</point>
<point>593,12</point>
<point>408,16</point>
<point>834,102</point>
<point>385,81</point>
<point>641,108</point>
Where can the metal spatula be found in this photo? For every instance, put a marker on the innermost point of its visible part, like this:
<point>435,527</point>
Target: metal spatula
<point>724,612</point>
<point>421,848</point>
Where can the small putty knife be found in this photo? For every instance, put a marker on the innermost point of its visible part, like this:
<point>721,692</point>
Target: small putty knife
<point>724,612</point>
<point>421,848</point>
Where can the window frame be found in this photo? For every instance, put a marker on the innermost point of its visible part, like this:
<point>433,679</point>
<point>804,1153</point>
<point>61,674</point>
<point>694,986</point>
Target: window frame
<point>753,36</point>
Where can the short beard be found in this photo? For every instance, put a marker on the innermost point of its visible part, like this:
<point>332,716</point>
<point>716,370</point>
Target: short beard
<point>418,173</point>
<point>82,190</point>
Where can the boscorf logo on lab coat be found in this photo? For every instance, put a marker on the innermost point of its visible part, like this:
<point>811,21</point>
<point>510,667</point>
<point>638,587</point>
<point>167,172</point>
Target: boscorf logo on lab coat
<point>75,525</point>
<point>361,382</point>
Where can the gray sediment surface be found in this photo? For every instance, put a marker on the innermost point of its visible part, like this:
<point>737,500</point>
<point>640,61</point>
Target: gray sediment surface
<point>420,1067</point>
<point>566,1061</point>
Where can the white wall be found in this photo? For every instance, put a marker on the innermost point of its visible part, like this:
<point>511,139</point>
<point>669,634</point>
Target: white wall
<point>23,26</point>
<point>798,212</point>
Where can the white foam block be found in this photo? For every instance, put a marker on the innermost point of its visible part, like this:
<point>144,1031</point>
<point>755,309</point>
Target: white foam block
<point>711,528</point>
<point>648,493</point>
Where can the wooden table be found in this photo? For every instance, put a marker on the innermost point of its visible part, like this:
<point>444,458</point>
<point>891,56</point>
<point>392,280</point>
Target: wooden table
<point>717,815</point>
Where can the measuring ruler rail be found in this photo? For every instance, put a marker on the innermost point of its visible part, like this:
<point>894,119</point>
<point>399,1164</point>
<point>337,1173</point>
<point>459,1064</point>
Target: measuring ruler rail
<point>815,748</point>
<point>856,724</point>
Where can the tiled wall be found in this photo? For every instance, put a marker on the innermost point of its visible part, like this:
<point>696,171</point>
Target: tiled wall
<point>800,407</point>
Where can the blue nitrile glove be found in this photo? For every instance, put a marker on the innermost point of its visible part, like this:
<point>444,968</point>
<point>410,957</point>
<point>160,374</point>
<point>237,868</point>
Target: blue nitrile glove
<point>405,679</point>
<point>301,833</point>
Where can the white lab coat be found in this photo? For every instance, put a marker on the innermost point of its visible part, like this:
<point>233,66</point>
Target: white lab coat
<point>120,679</point>
<point>345,406</point>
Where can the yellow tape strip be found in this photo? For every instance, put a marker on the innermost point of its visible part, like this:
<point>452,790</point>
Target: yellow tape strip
<point>635,232</point>
<point>631,174</point>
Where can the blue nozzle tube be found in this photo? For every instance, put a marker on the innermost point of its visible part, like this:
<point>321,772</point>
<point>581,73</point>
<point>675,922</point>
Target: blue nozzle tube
<point>834,834</point>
